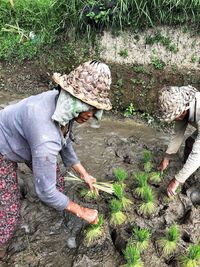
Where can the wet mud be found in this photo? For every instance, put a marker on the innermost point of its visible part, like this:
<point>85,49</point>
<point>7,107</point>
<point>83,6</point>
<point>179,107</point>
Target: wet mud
<point>50,238</point>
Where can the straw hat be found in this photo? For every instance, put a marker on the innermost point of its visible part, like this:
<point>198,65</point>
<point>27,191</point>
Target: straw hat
<point>173,101</point>
<point>89,82</point>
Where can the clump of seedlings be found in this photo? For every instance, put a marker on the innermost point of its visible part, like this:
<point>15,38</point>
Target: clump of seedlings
<point>117,215</point>
<point>155,177</point>
<point>192,258</point>
<point>119,193</point>
<point>147,156</point>
<point>140,238</point>
<point>132,257</point>
<point>120,175</point>
<point>141,182</point>
<point>95,230</point>
<point>147,207</point>
<point>170,241</point>
<point>87,194</point>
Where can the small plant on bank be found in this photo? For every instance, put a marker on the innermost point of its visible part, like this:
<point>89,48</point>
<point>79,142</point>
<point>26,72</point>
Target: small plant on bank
<point>117,215</point>
<point>192,259</point>
<point>141,182</point>
<point>95,230</point>
<point>169,242</point>
<point>147,207</point>
<point>87,194</point>
<point>123,53</point>
<point>140,238</point>
<point>120,175</point>
<point>147,156</point>
<point>130,111</point>
<point>119,192</point>
<point>155,177</point>
<point>132,256</point>
<point>157,63</point>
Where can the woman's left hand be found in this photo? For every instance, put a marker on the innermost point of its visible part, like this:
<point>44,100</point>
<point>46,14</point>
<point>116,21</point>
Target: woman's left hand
<point>89,179</point>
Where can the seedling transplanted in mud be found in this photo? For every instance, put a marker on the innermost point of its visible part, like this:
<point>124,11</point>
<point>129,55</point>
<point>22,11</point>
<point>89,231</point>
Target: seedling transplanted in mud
<point>141,182</point>
<point>140,238</point>
<point>147,156</point>
<point>155,177</point>
<point>88,194</point>
<point>132,256</point>
<point>95,230</point>
<point>170,241</point>
<point>119,192</point>
<point>192,259</point>
<point>147,207</point>
<point>120,175</point>
<point>117,215</point>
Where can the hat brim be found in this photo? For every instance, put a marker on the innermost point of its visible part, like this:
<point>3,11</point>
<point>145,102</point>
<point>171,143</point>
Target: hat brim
<point>102,103</point>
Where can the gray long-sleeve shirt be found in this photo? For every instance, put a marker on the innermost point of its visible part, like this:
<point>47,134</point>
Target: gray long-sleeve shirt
<point>193,161</point>
<point>27,133</point>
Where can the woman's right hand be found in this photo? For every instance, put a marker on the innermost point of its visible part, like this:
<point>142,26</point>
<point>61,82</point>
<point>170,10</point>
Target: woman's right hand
<point>163,165</point>
<point>90,215</point>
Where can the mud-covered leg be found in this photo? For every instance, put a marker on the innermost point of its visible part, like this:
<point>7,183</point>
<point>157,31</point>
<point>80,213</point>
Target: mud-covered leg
<point>9,202</point>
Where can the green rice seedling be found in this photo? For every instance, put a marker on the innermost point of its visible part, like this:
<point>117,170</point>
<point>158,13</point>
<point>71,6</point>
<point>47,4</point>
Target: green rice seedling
<point>117,216</point>
<point>132,256</point>
<point>140,238</point>
<point>155,177</point>
<point>95,230</point>
<point>169,242</point>
<point>141,182</point>
<point>119,192</point>
<point>192,259</point>
<point>147,207</point>
<point>88,194</point>
<point>147,156</point>
<point>120,175</point>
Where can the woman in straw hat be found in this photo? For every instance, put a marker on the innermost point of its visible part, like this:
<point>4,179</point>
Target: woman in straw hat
<point>182,105</point>
<point>37,129</point>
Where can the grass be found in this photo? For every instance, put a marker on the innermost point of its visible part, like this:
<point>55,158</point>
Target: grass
<point>170,241</point>
<point>53,21</point>
<point>140,238</point>
<point>95,230</point>
<point>192,258</point>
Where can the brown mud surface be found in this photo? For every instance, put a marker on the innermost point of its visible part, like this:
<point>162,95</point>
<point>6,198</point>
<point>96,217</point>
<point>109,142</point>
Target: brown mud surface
<point>45,235</point>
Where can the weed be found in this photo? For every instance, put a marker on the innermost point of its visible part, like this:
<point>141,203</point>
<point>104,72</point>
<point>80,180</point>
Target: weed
<point>119,192</point>
<point>194,58</point>
<point>123,53</point>
<point>169,242</point>
<point>130,111</point>
<point>140,238</point>
<point>147,207</point>
<point>120,174</point>
<point>95,230</point>
<point>192,259</point>
<point>117,216</point>
<point>132,256</point>
<point>141,69</point>
<point>148,118</point>
<point>174,67</point>
<point>157,63</point>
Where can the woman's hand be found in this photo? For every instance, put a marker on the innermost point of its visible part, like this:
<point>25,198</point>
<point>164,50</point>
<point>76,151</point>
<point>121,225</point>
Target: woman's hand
<point>172,187</point>
<point>89,180</point>
<point>163,165</point>
<point>90,215</point>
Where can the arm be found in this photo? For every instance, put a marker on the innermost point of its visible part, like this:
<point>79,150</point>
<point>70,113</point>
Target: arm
<point>175,143</point>
<point>193,161</point>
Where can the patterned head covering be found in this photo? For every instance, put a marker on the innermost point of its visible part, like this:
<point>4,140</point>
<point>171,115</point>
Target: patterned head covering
<point>90,82</point>
<point>173,101</point>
